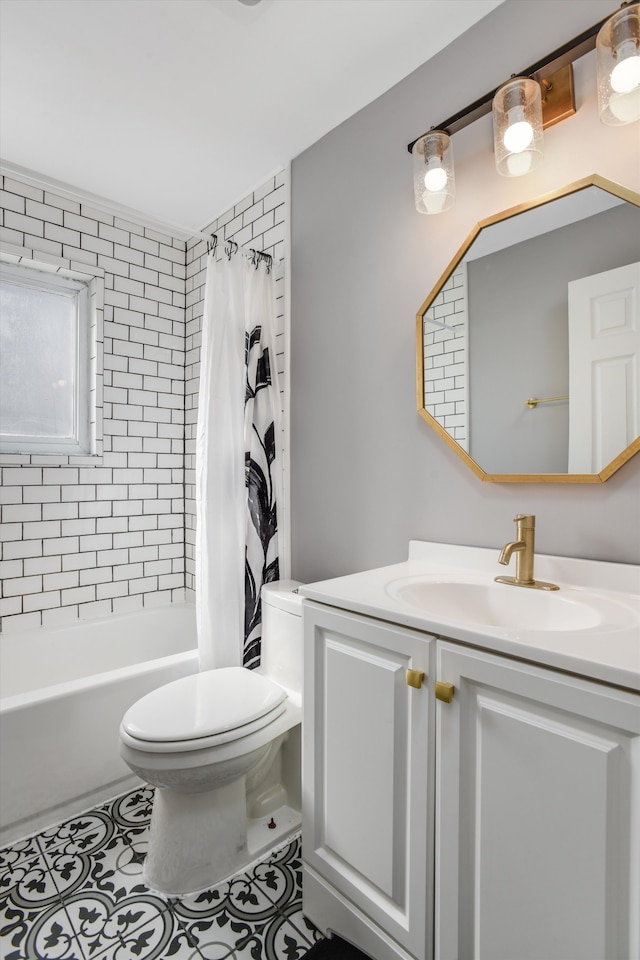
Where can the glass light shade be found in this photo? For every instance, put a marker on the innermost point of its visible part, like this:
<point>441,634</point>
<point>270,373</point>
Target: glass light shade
<point>618,58</point>
<point>517,127</point>
<point>434,184</point>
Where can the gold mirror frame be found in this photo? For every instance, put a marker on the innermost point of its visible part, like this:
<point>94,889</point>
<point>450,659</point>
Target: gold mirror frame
<point>624,193</point>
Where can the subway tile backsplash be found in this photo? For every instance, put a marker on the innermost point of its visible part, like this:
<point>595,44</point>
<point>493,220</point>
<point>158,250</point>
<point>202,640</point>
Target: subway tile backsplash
<point>89,536</point>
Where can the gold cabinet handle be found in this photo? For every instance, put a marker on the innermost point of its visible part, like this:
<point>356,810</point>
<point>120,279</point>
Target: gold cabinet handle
<point>444,691</point>
<point>415,678</point>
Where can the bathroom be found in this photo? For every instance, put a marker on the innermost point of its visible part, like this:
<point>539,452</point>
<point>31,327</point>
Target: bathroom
<point>366,474</point>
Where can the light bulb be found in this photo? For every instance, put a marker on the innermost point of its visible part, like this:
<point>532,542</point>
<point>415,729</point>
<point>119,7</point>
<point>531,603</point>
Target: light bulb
<point>435,178</point>
<point>517,127</point>
<point>618,63</point>
<point>625,76</point>
<point>519,133</point>
<point>625,107</point>
<point>519,164</point>
<point>434,182</point>
<point>434,201</point>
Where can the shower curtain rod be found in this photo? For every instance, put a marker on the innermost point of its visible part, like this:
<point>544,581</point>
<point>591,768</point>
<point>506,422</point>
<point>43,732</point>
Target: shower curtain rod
<point>231,248</point>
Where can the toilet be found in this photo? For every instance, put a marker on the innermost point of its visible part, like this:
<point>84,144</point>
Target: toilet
<point>222,748</point>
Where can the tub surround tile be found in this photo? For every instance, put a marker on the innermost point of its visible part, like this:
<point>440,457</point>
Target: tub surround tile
<point>76,892</point>
<point>140,318</point>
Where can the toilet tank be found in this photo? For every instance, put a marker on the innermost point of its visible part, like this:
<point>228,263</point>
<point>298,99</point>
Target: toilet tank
<point>281,656</point>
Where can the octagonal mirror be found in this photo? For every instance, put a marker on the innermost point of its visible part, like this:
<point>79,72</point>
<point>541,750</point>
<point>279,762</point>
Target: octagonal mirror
<point>528,347</point>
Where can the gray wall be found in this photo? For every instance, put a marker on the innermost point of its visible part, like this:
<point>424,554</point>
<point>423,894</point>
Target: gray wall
<point>518,337</point>
<point>367,472</point>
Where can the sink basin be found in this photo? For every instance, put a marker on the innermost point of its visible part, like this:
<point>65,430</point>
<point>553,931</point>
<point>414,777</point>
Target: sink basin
<point>498,605</point>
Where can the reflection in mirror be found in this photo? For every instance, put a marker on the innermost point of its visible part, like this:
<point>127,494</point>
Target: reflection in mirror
<point>529,346</point>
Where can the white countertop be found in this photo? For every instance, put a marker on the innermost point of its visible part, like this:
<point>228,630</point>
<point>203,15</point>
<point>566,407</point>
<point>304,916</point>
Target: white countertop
<point>607,649</point>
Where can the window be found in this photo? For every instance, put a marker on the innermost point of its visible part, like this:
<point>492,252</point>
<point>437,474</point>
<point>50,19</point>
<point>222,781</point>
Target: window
<point>44,363</point>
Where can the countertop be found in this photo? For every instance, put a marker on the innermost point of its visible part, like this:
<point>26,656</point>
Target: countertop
<point>606,649</point>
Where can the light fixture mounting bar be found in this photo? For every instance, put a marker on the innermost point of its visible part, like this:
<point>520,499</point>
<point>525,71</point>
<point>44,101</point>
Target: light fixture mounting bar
<point>556,60</point>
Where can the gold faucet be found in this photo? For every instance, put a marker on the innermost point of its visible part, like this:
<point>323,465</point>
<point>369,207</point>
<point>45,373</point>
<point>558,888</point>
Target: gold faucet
<point>523,549</point>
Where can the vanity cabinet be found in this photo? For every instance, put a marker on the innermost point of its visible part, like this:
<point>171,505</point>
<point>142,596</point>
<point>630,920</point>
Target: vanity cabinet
<point>537,813</point>
<point>502,825</point>
<point>368,763</point>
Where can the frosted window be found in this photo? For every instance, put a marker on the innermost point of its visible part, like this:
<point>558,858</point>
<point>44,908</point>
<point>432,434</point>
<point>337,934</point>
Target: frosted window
<point>41,363</point>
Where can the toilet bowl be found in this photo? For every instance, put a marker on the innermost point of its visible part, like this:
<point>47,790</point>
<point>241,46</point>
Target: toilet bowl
<point>222,748</point>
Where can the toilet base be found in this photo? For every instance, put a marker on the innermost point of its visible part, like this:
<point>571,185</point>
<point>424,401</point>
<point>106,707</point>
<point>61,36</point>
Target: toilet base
<point>195,840</point>
<point>195,844</point>
<point>261,838</point>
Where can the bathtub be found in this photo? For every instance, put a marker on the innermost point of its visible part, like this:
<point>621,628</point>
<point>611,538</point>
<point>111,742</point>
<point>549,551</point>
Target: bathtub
<point>63,693</point>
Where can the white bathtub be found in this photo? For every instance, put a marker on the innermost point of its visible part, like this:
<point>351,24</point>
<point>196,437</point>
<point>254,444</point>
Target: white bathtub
<point>63,693</point>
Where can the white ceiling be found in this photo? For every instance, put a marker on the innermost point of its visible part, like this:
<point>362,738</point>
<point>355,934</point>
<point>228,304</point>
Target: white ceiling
<point>179,108</point>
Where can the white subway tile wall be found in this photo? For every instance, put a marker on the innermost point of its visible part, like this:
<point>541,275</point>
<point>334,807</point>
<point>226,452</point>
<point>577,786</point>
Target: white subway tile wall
<point>87,537</point>
<point>445,357</point>
<point>257,222</point>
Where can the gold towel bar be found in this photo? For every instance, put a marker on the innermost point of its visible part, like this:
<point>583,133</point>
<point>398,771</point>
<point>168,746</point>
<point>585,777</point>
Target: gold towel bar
<point>533,402</point>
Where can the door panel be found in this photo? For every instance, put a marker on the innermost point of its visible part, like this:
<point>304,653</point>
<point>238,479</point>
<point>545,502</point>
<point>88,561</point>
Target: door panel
<point>365,746</point>
<point>604,369</point>
<point>367,812</point>
<point>542,765</point>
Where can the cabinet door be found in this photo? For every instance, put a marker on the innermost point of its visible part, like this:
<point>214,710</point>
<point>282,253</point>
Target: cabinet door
<point>537,814</point>
<point>367,769</point>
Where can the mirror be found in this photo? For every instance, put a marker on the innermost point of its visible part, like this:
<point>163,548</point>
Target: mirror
<point>528,347</point>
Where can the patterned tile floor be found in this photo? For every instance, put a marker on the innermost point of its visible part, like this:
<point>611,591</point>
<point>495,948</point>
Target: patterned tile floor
<point>76,892</point>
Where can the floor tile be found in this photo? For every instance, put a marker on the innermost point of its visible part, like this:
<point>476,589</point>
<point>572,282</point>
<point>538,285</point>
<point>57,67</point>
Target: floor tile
<point>78,834</point>
<point>136,926</point>
<point>308,932</point>
<point>76,891</point>
<point>279,878</point>
<point>15,863</point>
<point>133,809</point>
<point>48,935</point>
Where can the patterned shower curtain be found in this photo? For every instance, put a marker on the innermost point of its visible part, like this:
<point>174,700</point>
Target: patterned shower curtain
<point>261,544</point>
<point>237,466</point>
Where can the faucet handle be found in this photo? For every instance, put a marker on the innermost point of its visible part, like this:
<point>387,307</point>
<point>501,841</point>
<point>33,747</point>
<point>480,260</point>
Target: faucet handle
<point>526,516</point>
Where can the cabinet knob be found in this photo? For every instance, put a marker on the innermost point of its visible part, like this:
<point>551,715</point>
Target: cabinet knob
<point>415,678</point>
<point>444,691</point>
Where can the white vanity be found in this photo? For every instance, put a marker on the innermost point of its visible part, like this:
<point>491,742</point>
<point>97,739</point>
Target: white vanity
<point>471,784</point>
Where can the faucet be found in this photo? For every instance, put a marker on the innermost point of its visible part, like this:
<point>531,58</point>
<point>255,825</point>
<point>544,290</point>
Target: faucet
<point>523,549</point>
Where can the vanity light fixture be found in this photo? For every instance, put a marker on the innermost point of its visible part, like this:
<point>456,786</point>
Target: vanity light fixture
<point>434,183</point>
<point>618,59</point>
<point>517,127</point>
<point>536,98</point>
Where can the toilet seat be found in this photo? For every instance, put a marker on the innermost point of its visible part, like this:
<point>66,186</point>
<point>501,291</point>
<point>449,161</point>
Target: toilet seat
<point>203,710</point>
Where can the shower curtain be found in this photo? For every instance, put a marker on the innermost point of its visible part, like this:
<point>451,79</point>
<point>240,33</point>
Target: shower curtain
<point>237,468</point>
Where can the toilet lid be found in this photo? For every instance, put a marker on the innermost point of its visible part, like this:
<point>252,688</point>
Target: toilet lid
<point>203,705</point>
